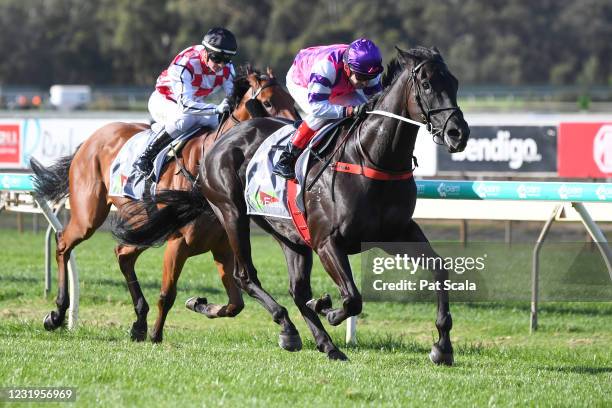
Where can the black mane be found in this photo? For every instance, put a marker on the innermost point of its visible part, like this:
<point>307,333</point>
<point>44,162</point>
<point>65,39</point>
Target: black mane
<point>395,66</point>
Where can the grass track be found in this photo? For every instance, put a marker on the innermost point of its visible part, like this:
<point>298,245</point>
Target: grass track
<point>233,362</point>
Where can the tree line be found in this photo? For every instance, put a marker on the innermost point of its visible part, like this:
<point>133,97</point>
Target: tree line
<point>129,42</point>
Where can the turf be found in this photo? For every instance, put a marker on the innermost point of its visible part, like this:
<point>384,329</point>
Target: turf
<point>235,362</point>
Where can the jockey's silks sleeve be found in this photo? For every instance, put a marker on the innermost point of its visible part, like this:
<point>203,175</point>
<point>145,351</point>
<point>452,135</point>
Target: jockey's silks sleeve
<point>320,84</point>
<point>185,91</point>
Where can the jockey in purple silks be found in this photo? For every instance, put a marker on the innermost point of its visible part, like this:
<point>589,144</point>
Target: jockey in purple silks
<point>329,82</point>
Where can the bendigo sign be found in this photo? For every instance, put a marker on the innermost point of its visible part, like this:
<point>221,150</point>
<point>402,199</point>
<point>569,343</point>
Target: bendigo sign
<point>503,150</point>
<point>585,150</point>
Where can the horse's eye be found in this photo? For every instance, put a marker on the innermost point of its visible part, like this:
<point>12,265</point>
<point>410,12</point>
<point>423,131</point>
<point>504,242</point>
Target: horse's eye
<point>426,85</point>
<point>267,104</point>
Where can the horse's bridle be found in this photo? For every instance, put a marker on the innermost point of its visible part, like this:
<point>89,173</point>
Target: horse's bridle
<point>254,94</point>
<point>427,112</point>
<point>271,82</point>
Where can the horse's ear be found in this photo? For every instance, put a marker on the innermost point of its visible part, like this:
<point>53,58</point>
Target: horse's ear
<point>249,68</point>
<point>402,55</point>
<point>436,50</point>
<point>269,72</point>
<point>253,80</point>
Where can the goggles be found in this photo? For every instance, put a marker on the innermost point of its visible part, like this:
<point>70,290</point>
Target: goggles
<point>364,77</point>
<point>219,58</point>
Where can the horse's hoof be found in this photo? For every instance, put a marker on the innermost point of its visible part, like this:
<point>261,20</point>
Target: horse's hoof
<point>50,322</point>
<point>193,302</point>
<point>290,342</point>
<point>318,305</point>
<point>334,318</point>
<point>337,355</point>
<point>138,334</point>
<point>156,338</point>
<point>438,357</point>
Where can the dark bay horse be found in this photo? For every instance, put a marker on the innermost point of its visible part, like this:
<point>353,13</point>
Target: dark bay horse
<point>85,177</point>
<point>343,210</point>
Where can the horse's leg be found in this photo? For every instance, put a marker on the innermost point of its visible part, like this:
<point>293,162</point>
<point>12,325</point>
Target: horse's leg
<point>224,260</point>
<point>442,350</point>
<point>88,212</point>
<point>337,265</point>
<point>238,231</point>
<point>126,257</point>
<point>175,255</point>
<point>299,264</point>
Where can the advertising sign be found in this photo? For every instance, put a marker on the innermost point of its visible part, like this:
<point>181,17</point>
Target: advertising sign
<point>10,145</point>
<point>585,150</point>
<point>504,150</point>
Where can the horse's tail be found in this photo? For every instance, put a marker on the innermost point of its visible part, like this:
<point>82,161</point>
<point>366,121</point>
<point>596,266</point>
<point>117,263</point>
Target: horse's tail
<point>52,183</point>
<point>144,224</point>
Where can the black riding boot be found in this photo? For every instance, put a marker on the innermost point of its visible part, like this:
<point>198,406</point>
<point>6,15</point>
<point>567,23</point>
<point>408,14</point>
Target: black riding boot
<point>285,166</point>
<point>144,164</point>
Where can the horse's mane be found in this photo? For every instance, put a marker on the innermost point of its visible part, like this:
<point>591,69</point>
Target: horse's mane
<point>241,83</point>
<point>395,67</point>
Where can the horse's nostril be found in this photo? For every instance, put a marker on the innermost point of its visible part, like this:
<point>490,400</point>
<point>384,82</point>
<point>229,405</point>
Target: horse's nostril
<point>453,133</point>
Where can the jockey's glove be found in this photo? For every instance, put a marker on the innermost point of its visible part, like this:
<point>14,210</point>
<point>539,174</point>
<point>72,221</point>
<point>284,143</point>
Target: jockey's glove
<point>223,107</point>
<point>356,111</point>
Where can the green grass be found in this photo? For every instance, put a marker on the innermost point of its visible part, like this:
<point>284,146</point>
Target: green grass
<point>235,362</point>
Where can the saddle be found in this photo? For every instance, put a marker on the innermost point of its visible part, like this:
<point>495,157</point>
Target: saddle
<point>125,181</point>
<point>265,192</point>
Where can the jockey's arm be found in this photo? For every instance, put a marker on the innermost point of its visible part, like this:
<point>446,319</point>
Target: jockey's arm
<point>319,90</point>
<point>182,87</point>
<point>228,84</point>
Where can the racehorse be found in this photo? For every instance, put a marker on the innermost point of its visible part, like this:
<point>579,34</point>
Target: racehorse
<point>85,177</point>
<point>343,210</point>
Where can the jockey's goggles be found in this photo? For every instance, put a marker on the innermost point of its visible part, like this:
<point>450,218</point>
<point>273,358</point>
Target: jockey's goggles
<point>363,77</point>
<point>219,58</point>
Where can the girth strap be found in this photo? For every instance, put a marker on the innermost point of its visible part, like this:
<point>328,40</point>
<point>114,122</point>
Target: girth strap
<point>370,172</point>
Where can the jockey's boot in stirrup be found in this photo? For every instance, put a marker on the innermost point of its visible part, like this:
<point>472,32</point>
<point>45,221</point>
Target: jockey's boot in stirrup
<point>144,163</point>
<point>285,166</point>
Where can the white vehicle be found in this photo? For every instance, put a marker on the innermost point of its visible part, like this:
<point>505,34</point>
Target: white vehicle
<point>69,97</point>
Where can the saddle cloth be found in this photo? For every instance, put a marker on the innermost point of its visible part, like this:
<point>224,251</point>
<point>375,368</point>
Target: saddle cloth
<point>125,181</point>
<point>265,192</point>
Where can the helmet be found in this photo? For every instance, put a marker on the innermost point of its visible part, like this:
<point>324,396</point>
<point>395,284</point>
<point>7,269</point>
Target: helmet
<point>220,41</point>
<point>363,57</point>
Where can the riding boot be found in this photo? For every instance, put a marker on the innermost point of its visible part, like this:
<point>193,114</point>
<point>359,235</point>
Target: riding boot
<point>285,166</point>
<point>144,163</point>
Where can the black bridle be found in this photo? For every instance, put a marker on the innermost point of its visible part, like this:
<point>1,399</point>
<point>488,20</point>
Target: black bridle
<point>271,82</point>
<point>427,112</point>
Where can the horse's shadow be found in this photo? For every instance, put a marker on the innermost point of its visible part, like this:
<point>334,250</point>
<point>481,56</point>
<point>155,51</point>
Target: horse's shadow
<point>580,370</point>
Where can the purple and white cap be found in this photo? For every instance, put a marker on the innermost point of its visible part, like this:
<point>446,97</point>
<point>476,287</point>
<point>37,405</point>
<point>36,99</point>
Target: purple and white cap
<point>363,57</point>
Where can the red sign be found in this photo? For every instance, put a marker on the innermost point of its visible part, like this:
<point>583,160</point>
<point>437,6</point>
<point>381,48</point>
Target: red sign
<point>585,150</point>
<point>9,145</point>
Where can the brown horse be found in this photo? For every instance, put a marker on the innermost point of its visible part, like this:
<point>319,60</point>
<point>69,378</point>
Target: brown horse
<point>85,177</point>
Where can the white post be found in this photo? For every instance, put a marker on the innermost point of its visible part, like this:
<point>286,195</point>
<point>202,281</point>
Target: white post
<point>351,330</point>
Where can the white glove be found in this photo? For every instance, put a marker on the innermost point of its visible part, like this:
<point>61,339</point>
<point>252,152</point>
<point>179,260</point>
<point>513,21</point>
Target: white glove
<point>223,107</point>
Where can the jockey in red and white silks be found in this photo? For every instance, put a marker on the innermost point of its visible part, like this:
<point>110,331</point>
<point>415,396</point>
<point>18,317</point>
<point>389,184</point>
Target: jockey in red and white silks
<point>329,82</point>
<point>179,100</point>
